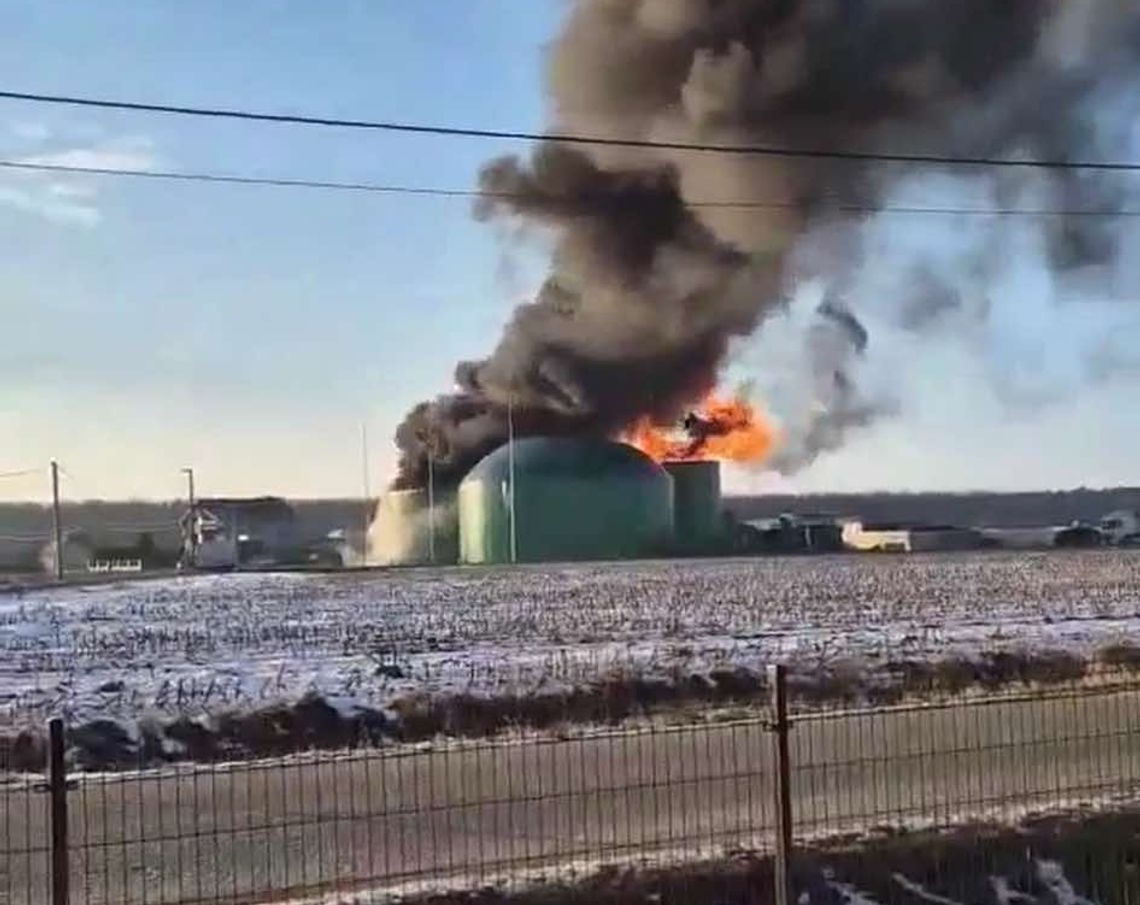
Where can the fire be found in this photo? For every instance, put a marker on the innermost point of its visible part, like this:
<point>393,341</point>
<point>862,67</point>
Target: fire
<point>728,429</point>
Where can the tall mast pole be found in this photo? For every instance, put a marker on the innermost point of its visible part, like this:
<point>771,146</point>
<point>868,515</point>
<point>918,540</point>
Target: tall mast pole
<point>511,477</point>
<point>367,494</point>
<point>431,502</point>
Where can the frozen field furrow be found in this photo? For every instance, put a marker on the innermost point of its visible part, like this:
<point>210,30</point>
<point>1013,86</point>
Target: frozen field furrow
<point>203,644</point>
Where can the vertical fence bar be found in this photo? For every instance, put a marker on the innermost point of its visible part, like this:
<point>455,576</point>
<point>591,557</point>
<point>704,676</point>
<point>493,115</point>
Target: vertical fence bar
<point>782,784</point>
<point>57,787</point>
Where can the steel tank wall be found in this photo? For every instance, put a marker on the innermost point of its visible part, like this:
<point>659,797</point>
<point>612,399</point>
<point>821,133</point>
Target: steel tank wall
<point>401,530</point>
<point>697,513</point>
<point>575,499</point>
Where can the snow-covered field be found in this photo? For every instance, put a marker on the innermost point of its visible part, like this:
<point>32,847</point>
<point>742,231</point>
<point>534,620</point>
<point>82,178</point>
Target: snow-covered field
<point>199,645</point>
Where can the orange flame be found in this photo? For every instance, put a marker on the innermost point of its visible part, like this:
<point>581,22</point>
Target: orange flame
<point>725,429</point>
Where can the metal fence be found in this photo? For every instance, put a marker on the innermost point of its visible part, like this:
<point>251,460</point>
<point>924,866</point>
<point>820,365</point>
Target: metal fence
<point>772,790</point>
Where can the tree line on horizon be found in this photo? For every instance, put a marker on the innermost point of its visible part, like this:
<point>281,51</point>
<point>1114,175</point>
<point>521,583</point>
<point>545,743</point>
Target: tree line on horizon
<point>318,517</point>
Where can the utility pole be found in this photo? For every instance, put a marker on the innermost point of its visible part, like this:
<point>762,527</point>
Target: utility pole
<point>189,472</point>
<point>56,521</point>
<point>190,528</point>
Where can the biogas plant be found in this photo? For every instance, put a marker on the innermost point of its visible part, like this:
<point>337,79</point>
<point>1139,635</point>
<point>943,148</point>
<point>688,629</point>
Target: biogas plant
<point>549,499</point>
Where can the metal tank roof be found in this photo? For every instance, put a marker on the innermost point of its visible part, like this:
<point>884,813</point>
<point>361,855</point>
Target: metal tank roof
<point>574,499</point>
<point>557,456</point>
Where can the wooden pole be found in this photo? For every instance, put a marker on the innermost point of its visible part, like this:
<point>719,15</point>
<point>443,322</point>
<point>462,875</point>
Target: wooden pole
<point>56,521</point>
<point>190,519</point>
<point>189,472</point>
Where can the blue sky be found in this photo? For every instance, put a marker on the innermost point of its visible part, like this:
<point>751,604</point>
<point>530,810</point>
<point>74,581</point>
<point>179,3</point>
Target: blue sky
<point>248,331</point>
<point>251,331</point>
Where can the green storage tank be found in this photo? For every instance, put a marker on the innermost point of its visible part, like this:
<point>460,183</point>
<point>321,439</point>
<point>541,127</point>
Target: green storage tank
<point>575,499</point>
<point>401,533</point>
<point>697,516</point>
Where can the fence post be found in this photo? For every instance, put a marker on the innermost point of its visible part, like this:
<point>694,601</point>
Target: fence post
<point>782,784</point>
<point>57,787</point>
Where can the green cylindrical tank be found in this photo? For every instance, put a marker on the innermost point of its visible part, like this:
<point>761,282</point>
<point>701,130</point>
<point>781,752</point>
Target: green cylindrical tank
<point>574,499</point>
<point>401,533</point>
<point>697,516</point>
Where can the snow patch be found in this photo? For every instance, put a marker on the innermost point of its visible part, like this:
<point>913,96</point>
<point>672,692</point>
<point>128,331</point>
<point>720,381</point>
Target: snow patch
<point>202,645</point>
<point>917,889</point>
<point>1052,874</point>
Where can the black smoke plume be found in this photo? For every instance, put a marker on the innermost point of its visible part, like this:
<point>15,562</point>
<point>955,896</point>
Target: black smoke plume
<point>653,277</point>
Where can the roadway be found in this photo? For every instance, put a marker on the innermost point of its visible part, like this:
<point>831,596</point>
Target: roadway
<point>483,813</point>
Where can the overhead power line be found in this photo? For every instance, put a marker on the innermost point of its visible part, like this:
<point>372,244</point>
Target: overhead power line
<point>21,473</point>
<point>272,181</point>
<point>430,191</point>
<point>566,137</point>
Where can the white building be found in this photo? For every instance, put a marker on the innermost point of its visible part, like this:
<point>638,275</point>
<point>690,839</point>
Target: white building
<point>908,539</point>
<point>875,540</point>
<point>225,533</point>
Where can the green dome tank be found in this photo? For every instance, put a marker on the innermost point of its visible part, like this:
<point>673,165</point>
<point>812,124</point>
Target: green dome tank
<point>575,499</point>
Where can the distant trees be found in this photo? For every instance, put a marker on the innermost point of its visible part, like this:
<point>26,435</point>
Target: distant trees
<point>998,510</point>
<point>154,524</point>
